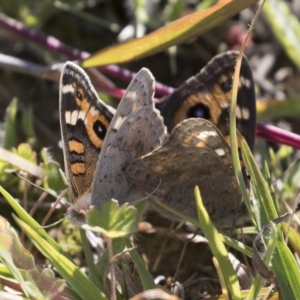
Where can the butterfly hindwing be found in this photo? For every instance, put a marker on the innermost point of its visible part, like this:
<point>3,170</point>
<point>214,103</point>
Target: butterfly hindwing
<point>195,154</point>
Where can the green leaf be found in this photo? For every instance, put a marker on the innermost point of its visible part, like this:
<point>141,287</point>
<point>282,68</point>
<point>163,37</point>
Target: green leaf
<point>6,178</point>
<point>14,256</point>
<point>113,221</point>
<point>22,258</point>
<point>7,260</point>
<point>25,151</point>
<point>46,278</point>
<point>53,179</point>
<point>172,34</point>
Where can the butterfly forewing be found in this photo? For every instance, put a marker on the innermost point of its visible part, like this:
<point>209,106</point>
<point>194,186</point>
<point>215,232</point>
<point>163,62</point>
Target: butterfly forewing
<point>208,94</point>
<point>84,121</point>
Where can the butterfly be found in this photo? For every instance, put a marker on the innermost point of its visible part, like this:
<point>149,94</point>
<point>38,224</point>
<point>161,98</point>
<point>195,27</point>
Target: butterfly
<point>139,150</point>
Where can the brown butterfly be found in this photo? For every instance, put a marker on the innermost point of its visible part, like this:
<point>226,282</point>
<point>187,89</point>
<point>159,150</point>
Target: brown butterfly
<point>139,157</point>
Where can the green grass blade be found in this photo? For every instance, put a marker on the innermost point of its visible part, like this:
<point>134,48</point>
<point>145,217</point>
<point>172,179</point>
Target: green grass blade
<point>285,26</point>
<point>145,276</point>
<point>24,216</point>
<point>218,248</point>
<point>294,237</point>
<point>89,260</point>
<point>241,247</point>
<point>284,264</point>
<point>258,280</point>
<point>267,209</point>
<point>286,270</point>
<point>233,138</point>
<point>70,272</point>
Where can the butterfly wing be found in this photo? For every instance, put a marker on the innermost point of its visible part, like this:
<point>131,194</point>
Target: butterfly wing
<point>195,154</point>
<point>136,129</point>
<point>84,121</point>
<point>208,94</point>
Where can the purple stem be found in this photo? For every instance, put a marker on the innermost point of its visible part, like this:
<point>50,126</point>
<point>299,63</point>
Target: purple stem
<point>278,135</point>
<point>55,45</point>
<point>115,92</point>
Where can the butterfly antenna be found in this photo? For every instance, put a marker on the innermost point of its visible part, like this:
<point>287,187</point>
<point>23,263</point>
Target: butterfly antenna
<point>51,225</point>
<point>19,175</point>
<point>158,186</point>
<point>148,195</point>
<point>53,207</point>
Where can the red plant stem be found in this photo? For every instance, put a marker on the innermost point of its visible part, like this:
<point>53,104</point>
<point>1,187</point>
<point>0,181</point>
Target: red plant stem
<point>278,135</point>
<point>114,92</point>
